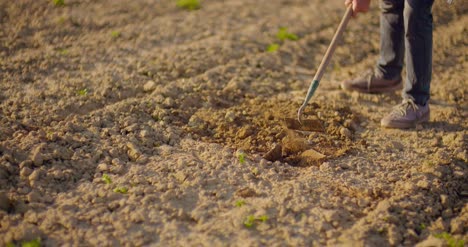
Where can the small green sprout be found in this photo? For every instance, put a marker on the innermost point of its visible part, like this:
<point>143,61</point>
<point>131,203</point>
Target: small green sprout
<point>250,220</point>
<point>283,34</point>
<point>61,20</point>
<point>106,179</point>
<point>63,52</point>
<point>122,190</point>
<point>83,92</point>
<point>59,2</point>
<point>241,158</point>
<point>429,163</point>
<point>33,243</point>
<point>450,240</point>
<point>115,34</point>
<point>422,226</point>
<point>263,218</point>
<point>255,171</point>
<point>273,47</point>
<point>188,4</point>
<point>240,203</point>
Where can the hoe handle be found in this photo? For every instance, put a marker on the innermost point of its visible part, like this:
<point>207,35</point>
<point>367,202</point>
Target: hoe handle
<point>331,49</point>
<point>325,61</point>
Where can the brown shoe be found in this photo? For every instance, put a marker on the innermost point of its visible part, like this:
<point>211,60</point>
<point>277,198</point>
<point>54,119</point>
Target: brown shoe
<point>372,83</point>
<point>406,115</point>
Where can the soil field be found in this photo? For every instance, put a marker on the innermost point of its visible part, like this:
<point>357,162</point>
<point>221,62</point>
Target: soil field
<point>139,123</point>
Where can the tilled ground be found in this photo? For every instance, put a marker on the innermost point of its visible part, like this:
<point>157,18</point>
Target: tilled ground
<point>139,123</point>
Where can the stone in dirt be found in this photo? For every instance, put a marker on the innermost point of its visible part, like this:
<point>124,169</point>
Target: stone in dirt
<point>246,192</point>
<point>36,155</point>
<point>244,132</point>
<point>275,153</point>
<point>310,156</point>
<point>149,86</point>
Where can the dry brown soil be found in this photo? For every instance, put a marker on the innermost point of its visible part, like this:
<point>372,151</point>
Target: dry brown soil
<point>188,112</point>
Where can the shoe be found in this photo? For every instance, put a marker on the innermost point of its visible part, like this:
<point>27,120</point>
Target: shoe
<point>372,82</point>
<point>406,115</point>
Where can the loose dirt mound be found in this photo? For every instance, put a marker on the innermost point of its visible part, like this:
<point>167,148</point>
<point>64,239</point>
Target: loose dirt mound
<point>141,123</point>
<point>263,126</point>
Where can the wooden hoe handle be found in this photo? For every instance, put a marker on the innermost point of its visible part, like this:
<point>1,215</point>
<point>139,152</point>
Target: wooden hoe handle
<point>326,60</point>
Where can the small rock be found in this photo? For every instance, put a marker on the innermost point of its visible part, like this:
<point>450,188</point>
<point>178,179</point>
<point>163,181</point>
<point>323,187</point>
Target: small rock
<point>117,162</point>
<point>331,215</point>
<point>26,163</point>
<point>169,103</point>
<point>37,156</point>
<point>397,145</point>
<point>230,116</point>
<point>432,242</point>
<point>33,196</point>
<point>246,192</point>
<point>264,162</point>
<point>149,86</point>
<point>312,155</point>
<point>457,226</point>
<point>133,151</point>
<point>444,200</point>
<point>244,132</point>
<point>35,175</point>
<point>325,166</point>
<point>102,167</point>
<point>424,184</point>
<point>25,172</point>
<point>274,154</point>
<point>345,132</point>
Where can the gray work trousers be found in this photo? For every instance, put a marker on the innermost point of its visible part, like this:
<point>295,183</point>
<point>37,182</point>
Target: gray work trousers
<point>407,25</point>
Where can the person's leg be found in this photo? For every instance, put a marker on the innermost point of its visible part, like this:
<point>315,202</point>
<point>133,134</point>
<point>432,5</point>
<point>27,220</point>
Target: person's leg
<point>418,41</point>
<point>392,43</point>
<point>386,77</point>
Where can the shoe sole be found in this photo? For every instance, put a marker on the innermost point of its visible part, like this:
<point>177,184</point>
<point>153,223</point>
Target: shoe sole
<point>400,125</point>
<point>375,90</point>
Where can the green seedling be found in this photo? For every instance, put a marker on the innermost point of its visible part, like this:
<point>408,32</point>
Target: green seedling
<point>283,35</point>
<point>250,220</point>
<point>115,34</point>
<point>83,92</point>
<point>188,4</point>
<point>121,190</point>
<point>241,158</point>
<point>33,243</point>
<point>61,20</point>
<point>240,203</point>
<point>63,52</point>
<point>450,240</point>
<point>255,171</point>
<point>273,47</point>
<point>106,179</point>
<point>263,218</point>
<point>422,226</point>
<point>59,2</point>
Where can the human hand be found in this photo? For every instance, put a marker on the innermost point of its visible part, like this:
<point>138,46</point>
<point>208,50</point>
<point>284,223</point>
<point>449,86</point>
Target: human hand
<point>358,5</point>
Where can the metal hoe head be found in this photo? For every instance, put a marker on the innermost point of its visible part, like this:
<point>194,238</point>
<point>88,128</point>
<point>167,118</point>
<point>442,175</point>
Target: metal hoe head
<point>313,86</point>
